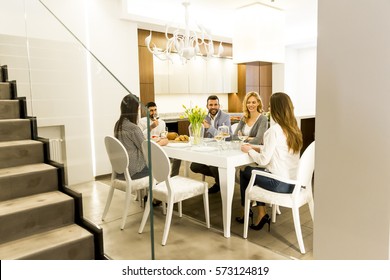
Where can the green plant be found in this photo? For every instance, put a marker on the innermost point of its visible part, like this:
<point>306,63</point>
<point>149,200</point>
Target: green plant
<point>195,115</point>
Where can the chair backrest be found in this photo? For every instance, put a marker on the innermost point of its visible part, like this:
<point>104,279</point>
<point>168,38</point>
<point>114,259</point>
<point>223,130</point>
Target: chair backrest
<point>117,154</point>
<point>161,167</point>
<point>306,167</point>
<point>234,127</point>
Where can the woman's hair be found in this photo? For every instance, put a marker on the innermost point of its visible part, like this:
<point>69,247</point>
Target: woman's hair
<point>282,112</point>
<point>129,110</point>
<point>247,114</point>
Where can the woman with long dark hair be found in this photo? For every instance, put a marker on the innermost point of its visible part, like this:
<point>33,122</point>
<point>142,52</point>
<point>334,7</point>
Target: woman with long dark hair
<point>279,155</point>
<point>128,132</point>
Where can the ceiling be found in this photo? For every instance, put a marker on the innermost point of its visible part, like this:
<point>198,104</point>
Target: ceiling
<point>218,16</point>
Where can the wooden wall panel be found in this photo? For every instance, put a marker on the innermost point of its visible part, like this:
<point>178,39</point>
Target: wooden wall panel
<point>235,99</point>
<point>265,95</point>
<point>145,58</point>
<point>147,93</point>
<point>266,75</point>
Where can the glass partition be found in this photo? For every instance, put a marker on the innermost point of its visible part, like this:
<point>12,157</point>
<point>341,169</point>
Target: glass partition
<point>74,96</point>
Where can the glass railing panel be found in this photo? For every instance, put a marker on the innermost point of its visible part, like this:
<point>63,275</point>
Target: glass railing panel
<point>75,98</point>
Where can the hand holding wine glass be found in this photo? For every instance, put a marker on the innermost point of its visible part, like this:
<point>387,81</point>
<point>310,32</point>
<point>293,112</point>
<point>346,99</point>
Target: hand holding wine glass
<point>241,136</point>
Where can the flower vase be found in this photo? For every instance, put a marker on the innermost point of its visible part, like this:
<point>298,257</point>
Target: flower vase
<point>196,131</point>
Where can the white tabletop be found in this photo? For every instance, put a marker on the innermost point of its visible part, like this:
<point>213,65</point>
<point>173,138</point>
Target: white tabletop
<point>226,161</point>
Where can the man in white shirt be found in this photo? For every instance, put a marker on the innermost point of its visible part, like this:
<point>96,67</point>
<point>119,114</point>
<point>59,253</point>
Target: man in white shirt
<point>157,126</point>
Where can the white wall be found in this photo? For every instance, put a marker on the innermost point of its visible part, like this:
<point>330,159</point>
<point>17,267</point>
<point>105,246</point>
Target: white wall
<point>352,194</point>
<point>297,77</point>
<point>61,92</point>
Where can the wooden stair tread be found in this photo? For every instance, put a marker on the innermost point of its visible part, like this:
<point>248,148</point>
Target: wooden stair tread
<point>26,246</point>
<point>32,201</point>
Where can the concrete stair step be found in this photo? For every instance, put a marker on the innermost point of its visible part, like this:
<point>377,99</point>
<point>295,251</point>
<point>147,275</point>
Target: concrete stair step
<point>9,109</point>
<point>65,243</point>
<point>21,152</point>
<point>15,129</point>
<point>5,90</point>
<point>25,180</point>
<point>33,214</point>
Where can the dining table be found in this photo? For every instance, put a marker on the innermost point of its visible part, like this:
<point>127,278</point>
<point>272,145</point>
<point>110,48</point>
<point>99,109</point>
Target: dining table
<point>226,157</point>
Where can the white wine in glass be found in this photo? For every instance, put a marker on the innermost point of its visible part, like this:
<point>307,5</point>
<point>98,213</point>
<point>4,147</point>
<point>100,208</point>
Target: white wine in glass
<point>219,137</point>
<point>241,136</point>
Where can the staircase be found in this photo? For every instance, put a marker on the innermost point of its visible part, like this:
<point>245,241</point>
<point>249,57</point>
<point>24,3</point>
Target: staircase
<point>40,219</point>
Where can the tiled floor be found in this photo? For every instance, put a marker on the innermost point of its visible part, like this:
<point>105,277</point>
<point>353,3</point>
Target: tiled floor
<point>189,239</point>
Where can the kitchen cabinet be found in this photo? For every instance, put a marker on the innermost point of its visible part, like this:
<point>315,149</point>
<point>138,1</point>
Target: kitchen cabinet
<point>229,75</point>
<point>212,76</point>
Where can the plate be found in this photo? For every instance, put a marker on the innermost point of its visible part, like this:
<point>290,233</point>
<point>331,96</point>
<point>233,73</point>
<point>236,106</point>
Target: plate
<point>178,144</point>
<point>208,140</point>
<point>204,149</point>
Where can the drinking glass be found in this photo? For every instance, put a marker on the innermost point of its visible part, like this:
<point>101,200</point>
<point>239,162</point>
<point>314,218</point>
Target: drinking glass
<point>223,130</point>
<point>164,133</point>
<point>241,136</point>
<point>219,137</point>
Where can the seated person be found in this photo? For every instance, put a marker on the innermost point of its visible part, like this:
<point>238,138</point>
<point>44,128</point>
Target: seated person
<point>279,156</point>
<point>213,120</point>
<point>253,123</point>
<point>128,132</point>
<point>157,128</point>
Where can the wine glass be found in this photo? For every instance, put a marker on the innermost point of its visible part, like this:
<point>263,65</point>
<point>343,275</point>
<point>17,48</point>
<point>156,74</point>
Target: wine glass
<point>164,133</point>
<point>241,136</point>
<point>224,131</point>
<point>219,137</point>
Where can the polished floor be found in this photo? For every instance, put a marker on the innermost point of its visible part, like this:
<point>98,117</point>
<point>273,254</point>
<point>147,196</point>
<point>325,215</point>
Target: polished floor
<point>189,239</point>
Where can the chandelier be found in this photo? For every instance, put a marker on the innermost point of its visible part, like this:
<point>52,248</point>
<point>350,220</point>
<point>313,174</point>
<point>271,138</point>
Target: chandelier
<point>187,45</point>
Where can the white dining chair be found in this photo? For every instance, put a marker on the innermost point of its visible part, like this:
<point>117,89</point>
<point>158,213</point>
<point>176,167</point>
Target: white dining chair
<point>234,127</point>
<point>301,194</point>
<point>119,160</point>
<point>171,190</point>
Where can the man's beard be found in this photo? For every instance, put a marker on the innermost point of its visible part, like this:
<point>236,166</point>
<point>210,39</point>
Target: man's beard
<point>213,112</point>
<point>154,117</point>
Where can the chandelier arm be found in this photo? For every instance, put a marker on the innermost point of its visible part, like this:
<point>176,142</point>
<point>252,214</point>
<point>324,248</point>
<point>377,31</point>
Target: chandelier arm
<point>186,44</point>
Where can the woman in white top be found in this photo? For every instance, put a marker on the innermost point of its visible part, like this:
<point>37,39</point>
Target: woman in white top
<point>279,155</point>
<point>253,123</point>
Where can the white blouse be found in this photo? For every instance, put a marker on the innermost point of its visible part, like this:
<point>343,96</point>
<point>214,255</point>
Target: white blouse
<point>275,156</point>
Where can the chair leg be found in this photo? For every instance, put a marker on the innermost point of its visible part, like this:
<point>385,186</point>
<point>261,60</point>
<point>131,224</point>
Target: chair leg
<point>168,220</point>
<point>108,203</point>
<point>180,206</point>
<point>278,210</point>
<point>298,231</point>
<point>274,210</point>
<point>311,208</point>
<point>140,197</point>
<point>246,217</point>
<point>127,205</point>
<point>164,205</point>
<point>206,208</point>
<point>144,217</point>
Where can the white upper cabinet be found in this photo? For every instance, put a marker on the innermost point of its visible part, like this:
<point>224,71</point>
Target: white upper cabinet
<point>161,74</point>
<point>198,76</point>
<point>230,77</point>
<point>214,75</point>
